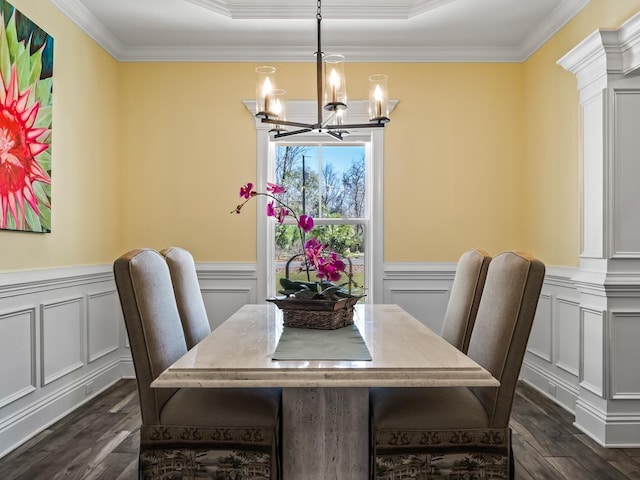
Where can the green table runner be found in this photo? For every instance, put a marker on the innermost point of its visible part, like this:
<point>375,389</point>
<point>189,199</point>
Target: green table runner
<point>344,343</point>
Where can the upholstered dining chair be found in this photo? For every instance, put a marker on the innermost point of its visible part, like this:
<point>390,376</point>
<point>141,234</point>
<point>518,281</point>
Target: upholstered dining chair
<point>184,277</point>
<point>459,432</point>
<point>464,300</point>
<point>187,433</point>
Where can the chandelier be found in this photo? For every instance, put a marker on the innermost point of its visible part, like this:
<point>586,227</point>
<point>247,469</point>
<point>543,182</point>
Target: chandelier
<point>331,98</point>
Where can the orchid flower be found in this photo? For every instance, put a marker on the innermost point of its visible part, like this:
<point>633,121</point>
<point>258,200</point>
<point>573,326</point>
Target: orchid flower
<point>327,265</point>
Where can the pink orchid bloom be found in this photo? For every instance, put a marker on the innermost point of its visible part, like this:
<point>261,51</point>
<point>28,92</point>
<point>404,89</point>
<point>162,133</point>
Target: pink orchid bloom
<point>275,189</point>
<point>281,214</point>
<point>313,248</point>
<point>330,267</point>
<point>247,191</point>
<point>271,210</point>
<point>305,223</point>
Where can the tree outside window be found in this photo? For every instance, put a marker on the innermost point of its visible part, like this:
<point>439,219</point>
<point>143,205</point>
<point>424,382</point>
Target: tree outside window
<point>327,182</point>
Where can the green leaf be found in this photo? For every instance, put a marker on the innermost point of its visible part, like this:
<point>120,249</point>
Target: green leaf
<point>308,294</point>
<point>43,92</point>
<point>45,217</point>
<point>328,292</point>
<point>44,159</point>
<point>36,67</point>
<point>12,38</point>
<point>5,56</point>
<point>23,68</point>
<point>41,194</point>
<point>32,219</point>
<point>44,118</point>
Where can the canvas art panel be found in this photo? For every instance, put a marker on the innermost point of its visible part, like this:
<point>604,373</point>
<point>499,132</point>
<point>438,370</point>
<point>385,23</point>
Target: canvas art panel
<point>26,87</point>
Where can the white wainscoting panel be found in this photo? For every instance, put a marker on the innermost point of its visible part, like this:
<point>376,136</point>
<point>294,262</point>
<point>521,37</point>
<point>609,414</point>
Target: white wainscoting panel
<point>568,334</point>
<point>62,338</point>
<point>226,287</point>
<point>625,355</point>
<point>426,304</point>
<point>103,324</point>
<point>540,339</point>
<point>592,375</point>
<point>17,354</point>
<point>221,303</point>
<point>422,289</point>
<point>626,172</point>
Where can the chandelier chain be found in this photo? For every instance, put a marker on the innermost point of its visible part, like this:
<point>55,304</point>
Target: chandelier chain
<point>319,13</point>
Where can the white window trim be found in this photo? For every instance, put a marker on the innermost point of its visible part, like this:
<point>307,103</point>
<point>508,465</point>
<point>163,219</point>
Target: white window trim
<point>305,111</point>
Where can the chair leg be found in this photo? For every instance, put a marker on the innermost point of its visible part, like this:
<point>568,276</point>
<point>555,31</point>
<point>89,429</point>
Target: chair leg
<point>512,462</point>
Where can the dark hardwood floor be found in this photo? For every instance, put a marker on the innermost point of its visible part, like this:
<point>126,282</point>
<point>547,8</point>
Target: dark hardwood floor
<point>99,441</point>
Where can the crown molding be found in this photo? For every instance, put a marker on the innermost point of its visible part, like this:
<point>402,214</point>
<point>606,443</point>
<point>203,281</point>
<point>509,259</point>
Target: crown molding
<point>558,18</point>
<point>343,10</point>
<point>305,54</point>
<point>89,24</point>
<point>605,52</point>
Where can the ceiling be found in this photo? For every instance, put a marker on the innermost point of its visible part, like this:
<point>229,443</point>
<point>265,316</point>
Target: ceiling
<point>285,30</point>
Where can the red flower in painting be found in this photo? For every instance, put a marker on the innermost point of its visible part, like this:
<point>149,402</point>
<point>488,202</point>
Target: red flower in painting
<point>19,146</point>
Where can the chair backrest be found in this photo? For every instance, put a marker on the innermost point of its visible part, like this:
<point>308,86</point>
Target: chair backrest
<point>153,324</point>
<point>195,322</point>
<point>503,324</point>
<point>464,300</point>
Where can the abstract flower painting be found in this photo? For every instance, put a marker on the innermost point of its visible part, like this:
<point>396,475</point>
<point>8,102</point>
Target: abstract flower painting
<point>26,87</point>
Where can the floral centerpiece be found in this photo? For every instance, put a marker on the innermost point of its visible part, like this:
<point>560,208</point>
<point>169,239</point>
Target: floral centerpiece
<point>324,303</point>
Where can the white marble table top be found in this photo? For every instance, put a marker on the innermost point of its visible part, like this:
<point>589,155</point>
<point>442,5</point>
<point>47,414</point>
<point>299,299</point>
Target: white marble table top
<point>405,354</point>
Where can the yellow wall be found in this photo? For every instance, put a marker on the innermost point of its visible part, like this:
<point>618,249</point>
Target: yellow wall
<point>552,213</point>
<point>189,143</point>
<point>85,154</point>
<point>153,154</point>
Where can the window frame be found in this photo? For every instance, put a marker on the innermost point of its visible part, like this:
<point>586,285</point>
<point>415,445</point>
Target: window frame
<point>304,110</point>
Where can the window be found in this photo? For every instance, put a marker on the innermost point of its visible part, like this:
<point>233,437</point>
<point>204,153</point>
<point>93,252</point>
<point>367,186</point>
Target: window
<point>373,144</point>
<point>329,183</point>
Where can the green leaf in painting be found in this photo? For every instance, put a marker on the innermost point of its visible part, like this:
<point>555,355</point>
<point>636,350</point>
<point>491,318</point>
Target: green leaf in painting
<point>45,217</point>
<point>5,57</point>
<point>44,117</point>
<point>41,194</point>
<point>36,67</point>
<point>11,222</point>
<point>23,69</point>
<point>33,221</point>
<point>43,91</point>
<point>44,159</point>
<point>12,38</point>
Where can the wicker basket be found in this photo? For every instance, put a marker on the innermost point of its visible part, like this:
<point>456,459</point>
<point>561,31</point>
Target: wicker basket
<point>320,314</point>
<point>317,313</point>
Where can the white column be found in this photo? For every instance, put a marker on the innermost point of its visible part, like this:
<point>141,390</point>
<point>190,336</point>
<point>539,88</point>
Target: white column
<point>608,406</point>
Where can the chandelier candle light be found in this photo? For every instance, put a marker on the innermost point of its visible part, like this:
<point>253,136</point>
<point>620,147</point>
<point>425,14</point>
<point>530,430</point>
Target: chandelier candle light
<point>330,90</point>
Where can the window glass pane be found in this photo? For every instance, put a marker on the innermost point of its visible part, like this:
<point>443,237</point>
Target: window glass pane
<point>343,181</point>
<point>297,170</point>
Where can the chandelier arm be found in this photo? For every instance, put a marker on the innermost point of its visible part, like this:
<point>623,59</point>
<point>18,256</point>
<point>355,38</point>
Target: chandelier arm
<point>337,135</point>
<point>355,125</point>
<point>295,132</point>
<point>273,121</point>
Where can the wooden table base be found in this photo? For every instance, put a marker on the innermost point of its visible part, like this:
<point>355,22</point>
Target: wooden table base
<point>325,433</point>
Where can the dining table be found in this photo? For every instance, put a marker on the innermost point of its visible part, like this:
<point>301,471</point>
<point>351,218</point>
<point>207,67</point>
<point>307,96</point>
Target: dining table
<point>325,397</point>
